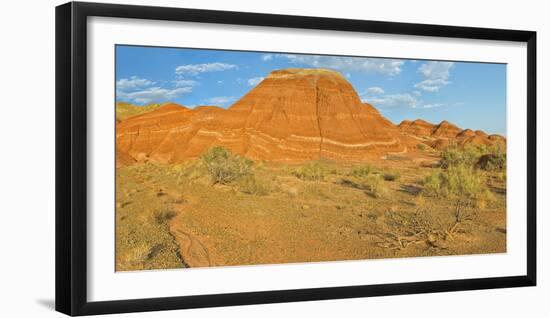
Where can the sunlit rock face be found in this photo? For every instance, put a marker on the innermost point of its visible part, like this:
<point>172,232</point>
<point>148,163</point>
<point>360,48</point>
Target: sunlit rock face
<point>442,135</point>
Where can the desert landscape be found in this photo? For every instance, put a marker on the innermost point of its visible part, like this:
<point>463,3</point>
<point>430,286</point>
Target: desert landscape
<point>300,169</point>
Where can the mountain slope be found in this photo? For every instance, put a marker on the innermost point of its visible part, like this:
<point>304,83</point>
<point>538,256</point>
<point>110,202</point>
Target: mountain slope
<point>292,115</point>
<point>126,110</point>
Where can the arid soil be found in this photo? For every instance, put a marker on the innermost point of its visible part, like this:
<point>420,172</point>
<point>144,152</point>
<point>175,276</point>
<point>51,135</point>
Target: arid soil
<point>171,216</point>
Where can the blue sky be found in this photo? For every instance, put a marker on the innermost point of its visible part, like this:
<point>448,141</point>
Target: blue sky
<point>471,95</point>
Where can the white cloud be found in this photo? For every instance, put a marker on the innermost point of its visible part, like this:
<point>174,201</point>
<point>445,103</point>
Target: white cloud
<point>389,67</point>
<point>392,100</point>
<point>435,105</point>
<point>195,69</point>
<point>375,90</point>
<point>153,94</point>
<point>220,100</point>
<point>436,70</point>
<point>267,57</point>
<point>436,75</point>
<point>185,83</point>
<point>133,82</point>
<point>140,91</point>
<point>430,85</point>
<point>255,81</point>
<point>402,100</point>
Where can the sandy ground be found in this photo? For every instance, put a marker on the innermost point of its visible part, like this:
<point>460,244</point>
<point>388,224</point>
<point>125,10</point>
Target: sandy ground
<point>171,216</point>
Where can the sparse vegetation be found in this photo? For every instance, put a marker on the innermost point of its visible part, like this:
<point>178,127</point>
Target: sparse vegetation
<point>313,171</point>
<point>426,226</point>
<point>479,156</point>
<point>455,156</point>
<point>433,184</point>
<point>492,162</point>
<point>362,171</point>
<point>225,167</point>
<point>392,176</point>
<point>251,185</point>
<point>164,216</point>
<point>379,210</point>
<point>461,182</point>
<point>374,183</point>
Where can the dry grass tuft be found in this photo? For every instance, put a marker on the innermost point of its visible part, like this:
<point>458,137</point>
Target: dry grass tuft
<point>313,171</point>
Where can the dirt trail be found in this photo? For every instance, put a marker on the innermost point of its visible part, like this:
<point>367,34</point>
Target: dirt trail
<point>193,252</point>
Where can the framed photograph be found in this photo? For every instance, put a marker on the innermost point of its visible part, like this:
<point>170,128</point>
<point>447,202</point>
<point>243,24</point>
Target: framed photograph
<point>209,158</point>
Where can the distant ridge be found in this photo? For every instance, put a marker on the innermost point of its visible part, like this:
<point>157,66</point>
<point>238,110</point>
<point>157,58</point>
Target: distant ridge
<point>126,110</point>
<point>440,136</point>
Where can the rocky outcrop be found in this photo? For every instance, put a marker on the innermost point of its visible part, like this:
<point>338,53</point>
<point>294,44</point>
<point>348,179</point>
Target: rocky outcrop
<point>292,115</point>
<point>417,128</point>
<point>446,130</point>
<point>442,135</point>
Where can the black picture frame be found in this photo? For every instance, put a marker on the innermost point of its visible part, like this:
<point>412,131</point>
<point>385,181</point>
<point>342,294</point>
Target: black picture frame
<point>71,157</point>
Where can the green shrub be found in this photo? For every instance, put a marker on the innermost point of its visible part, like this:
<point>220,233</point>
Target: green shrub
<point>251,185</point>
<point>362,171</point>
<point>454,156</point>
<point>432,185</point>
<point>460,182</point>
<point>195,171</point>
<point>374,184</point>
<point>491,158</point>
<point>463,181</point>
<point>313,171</point>
<point>392,176</point>
<point>492,162</point>
<point>225,167</point>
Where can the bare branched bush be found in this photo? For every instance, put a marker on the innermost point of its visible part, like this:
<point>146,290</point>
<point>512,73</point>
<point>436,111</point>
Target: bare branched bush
<point>424,226</point>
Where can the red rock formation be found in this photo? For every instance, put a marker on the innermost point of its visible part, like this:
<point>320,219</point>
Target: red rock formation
<point>440,144</point>
<point>446,134</point>
<point>497,140</point>
<point>417,128</point>
<point>475,140</point>
<point>466,133</point>
<point>446,130</point>
<point>481,133</point>
<point>292,115</point>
